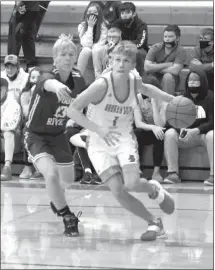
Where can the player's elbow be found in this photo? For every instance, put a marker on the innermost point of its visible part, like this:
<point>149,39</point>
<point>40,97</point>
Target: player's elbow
<point>147,67</point>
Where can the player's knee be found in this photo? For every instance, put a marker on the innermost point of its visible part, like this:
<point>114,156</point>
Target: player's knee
<point>167,77</point>
<point>131,180</point>
<point>209,137</point>
<point>171,134</point>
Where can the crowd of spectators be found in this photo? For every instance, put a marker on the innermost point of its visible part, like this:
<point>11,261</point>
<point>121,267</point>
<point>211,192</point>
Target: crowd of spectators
<point>104,24</point>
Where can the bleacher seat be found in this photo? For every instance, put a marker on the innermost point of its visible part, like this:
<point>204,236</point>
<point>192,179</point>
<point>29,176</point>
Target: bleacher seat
<point>64,18</point>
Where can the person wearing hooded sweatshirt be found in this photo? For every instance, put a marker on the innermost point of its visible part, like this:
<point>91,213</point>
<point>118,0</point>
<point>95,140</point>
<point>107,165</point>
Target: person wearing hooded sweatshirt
<point>15,75</point>
<point>199,133</point>
<point>135,30</point>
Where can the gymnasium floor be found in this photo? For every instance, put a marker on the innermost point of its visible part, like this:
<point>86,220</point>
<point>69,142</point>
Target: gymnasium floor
<point>31,236</point>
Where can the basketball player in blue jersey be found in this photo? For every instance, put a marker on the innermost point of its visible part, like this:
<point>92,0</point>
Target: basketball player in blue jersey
<point>46,140</point>
<point>112,146</point>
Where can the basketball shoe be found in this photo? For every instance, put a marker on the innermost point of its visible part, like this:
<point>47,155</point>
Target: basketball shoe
<point>162,197</point>
<point>71,224</point>
<point>154,230</point>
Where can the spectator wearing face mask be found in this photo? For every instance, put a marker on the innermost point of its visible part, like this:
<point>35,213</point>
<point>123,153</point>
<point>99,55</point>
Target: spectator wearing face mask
<point>93,34</point>
<point>203,55</point>
<point>29,171</point>
<point>166,59</point>
<point>102,60</point>
<point>135,30</point>
<point>10,130</point>
<point>199,133</point>
<point>15,75</point>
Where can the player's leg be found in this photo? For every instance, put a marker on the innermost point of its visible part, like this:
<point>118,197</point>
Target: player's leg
<point>129,162</point>
<point>109,170</point>
<point>42,156</point>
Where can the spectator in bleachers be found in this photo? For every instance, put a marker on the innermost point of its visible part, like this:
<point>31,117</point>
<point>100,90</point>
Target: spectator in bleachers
<point>101,62</point>
<point>110,11</point>
<point>166,59</point>
<point>93,34</point>
<point>135,30</point>
<point>15,75</point>
<point>199,133</point>
<point>150,121</point>
<point>10,129</point>
<point>23,30</point>
<point>203,55</point>
<point>25,100</point>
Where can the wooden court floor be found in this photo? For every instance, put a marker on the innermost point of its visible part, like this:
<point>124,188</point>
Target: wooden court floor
<point>31,235</point>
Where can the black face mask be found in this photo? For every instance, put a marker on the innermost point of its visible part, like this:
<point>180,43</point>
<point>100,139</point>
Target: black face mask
<point>194,90</point>
<point>204,44</point>
<point>92,14</point>
<point>172,43</point>
<point>126,21</point>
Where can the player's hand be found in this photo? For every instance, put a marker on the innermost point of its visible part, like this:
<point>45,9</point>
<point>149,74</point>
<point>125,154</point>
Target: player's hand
<point>92,20</point>
<point>195,62</point>
<point>158,132</point>
<point>110,136</point>
<point>62,92</point>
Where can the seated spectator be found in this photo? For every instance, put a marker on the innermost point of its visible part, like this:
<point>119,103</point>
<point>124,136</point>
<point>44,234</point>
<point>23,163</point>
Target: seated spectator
<point>25,99</point>
<point>200,133</point>
<point>150,121</point>
<point>90,176</point>
<point>93,34</point>
<point>133,29</point>
<point>203,55</point>
<point>15,75</point>
<point>165,60</point>
<point>23,30</point>
<point>110,11</point>
<point>10,129</point>
<point>101,62</point>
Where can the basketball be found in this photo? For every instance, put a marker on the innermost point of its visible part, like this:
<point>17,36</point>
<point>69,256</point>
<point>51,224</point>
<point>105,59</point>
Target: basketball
<point>181,112</point>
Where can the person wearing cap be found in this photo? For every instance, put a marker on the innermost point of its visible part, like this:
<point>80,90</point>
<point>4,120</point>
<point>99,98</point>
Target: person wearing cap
<point>10,129</point>
<point>15,75</point>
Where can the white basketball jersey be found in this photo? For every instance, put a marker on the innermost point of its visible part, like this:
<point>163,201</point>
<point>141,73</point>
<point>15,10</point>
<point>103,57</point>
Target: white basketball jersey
<point>111,112</point>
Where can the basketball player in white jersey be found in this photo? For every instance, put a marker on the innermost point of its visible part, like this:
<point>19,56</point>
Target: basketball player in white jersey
<point>111,145</point>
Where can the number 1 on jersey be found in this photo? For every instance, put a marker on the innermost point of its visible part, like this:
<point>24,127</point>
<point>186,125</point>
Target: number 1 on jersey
<point>115,120</point>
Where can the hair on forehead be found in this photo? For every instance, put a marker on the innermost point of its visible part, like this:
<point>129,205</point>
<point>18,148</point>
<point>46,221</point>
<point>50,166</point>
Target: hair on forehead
<point>64,42</point>
<point>126,48</point>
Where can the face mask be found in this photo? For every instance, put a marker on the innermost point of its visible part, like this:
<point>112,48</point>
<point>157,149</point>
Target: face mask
<point>172,43</point>
<point>127,21</point>
<point>13,77</point>
<point>204,44</point>
<point>92,14</point>
<point>194,89</point>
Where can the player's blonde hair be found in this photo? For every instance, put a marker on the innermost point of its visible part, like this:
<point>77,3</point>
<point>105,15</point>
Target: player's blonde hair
<point>63,42</point>
<point>126,48</point>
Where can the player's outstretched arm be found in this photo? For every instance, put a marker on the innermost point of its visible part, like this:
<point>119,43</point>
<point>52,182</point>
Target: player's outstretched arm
<point>154,92</point>
<point>93,94</point>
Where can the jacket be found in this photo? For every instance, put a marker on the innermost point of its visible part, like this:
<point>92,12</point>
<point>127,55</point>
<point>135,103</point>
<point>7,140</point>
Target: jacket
<point>204,104</point>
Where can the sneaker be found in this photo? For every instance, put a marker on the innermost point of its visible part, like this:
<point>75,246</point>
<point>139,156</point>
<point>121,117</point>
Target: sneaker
<point>26,173</point>
<point>96,180</point>
<point>172,178</point>
<point>71,225</point>
<point>162,197</point>
<point>6,174</point>
<point>36,176</point>
<point>157,176</point>
<point>87,178</point>
<point>154,230</point>
<point>209,181</point>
